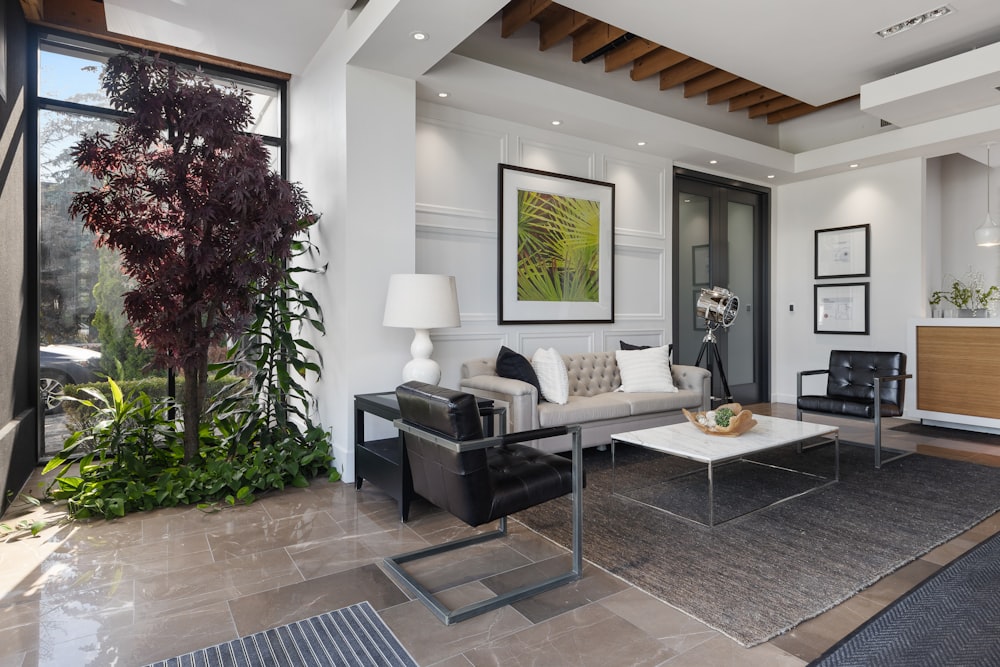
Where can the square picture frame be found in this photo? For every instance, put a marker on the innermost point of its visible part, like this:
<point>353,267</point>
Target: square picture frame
<point>841,308</point>
<point>545,274</point>
<point>843,252</point>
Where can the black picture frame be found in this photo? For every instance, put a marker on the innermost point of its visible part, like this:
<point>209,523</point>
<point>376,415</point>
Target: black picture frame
<point>842,252</point>
<point>532,289</point>
<point>841,308</point>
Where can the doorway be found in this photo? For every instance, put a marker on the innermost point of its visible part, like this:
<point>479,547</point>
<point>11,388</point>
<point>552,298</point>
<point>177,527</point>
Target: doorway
<point>721,239</point>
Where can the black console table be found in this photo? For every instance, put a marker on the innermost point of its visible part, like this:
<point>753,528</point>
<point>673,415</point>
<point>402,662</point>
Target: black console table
<point>383,462</point>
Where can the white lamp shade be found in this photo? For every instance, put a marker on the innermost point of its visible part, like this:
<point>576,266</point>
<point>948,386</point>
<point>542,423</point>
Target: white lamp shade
<point>421,301</point>
<point>988,233</point>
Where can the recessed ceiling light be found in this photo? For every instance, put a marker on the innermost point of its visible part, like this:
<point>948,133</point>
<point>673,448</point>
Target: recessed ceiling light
<point>418,35</point>
<point>854,166</point>
<point>557,122</point>
<point>640,143</point>
<point>914,21</point>
<point>770,175</point>
<point>713,162</point>
<point>442,94</point>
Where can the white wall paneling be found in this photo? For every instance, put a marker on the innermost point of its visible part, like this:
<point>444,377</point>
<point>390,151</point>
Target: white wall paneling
<point>468,255</point>
<point>454,346</point>
<point>640,196</point>
<point>456,165</point>
<point>641,283</point>
<point>560,159</point>
<point>566,342</point>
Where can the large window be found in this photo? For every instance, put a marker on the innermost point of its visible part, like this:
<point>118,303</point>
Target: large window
<point>83,333</point>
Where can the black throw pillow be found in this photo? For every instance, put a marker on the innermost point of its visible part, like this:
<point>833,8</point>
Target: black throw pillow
<point>630,346</point>
<point>516,366</point>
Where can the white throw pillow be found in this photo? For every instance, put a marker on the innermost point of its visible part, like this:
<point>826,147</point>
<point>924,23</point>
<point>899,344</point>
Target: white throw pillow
<point>645,370</point>
<point>552,375</point>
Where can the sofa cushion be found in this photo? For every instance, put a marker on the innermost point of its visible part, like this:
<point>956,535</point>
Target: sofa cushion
<point>552,375</point>
<point>645,370</point>
<point>582,409</point>
<point>643,403</point>
<point>629,346</point>
<point>516,366</point>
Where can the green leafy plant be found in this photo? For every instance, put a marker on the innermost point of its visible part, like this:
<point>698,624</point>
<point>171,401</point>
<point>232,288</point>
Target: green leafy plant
<point>968,292</point>
<point>723,416</point>
<point>28,526</point>
<point>558,244</point>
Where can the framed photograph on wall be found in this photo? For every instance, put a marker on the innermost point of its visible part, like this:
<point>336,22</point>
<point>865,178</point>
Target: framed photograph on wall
<point>841,308</point>
<point>843,252</point>
<point>700,266</point>
<point>555,248</point>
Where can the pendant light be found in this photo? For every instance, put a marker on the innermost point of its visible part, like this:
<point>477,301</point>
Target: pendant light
<point>988,234</point>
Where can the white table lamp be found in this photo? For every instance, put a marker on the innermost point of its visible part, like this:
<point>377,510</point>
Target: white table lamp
<point>421,301</point>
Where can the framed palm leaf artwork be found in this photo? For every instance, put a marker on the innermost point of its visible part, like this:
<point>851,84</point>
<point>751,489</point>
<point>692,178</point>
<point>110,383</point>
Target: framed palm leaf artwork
<point>556,248</point>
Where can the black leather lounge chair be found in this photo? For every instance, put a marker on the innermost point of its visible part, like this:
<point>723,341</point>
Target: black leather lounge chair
<point>480,480</point>
<point>860,385</point>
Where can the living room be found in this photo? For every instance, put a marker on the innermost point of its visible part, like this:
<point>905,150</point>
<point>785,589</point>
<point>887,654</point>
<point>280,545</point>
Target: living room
<point>406,181</point>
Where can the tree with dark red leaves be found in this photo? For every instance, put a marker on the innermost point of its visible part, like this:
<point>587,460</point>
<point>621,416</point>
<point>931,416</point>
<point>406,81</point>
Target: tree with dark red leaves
<point>188,199</point>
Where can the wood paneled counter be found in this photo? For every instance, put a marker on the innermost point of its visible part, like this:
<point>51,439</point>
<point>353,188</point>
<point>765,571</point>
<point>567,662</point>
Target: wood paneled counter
<point>957,371</point>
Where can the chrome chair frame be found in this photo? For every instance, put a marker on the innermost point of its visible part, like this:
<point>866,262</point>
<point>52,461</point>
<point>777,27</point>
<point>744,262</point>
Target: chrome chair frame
<point>448,616</point>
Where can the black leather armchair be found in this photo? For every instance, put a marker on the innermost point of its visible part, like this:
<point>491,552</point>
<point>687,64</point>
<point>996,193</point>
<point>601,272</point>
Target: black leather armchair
<point>480,480</point>
<point>860,385</point>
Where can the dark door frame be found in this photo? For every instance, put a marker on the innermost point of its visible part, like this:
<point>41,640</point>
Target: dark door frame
<point>761,297</point>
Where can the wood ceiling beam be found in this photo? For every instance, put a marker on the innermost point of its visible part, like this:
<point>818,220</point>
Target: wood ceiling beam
<point>87,15</point>
<point>655,62</point>
<point>595,36</point>
<point>562,26</point>
<point>33,10</point>
<point>706,82</point>
<point>520,13</point>
<point>685,71</point>
<point>628,52</point>
<point>802,110</point>
<point>730,90</point>
<point>777,104</point>
<point>747,100</point>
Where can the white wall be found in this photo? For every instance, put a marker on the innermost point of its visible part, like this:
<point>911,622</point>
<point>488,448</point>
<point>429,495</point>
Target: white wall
<point>963,193</point>
<point>456,208</point>
<point>890,198</point>
<point>352,148</point>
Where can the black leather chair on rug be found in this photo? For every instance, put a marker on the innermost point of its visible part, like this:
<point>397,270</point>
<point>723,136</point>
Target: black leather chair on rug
<point>480,480</point>
<point>860,385</point>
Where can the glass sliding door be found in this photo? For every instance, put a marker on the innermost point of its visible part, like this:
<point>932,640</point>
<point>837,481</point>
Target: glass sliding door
<point>720,240</point>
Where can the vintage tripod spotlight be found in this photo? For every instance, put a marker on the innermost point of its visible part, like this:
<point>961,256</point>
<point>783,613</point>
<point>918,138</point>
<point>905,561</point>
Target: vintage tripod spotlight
<point>719,307</point>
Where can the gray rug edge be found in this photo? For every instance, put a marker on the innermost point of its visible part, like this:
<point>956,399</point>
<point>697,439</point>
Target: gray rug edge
<point>364,608</point>
<point>756,642</point>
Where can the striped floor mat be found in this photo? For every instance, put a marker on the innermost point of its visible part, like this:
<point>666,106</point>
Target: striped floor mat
<point>350,636</point>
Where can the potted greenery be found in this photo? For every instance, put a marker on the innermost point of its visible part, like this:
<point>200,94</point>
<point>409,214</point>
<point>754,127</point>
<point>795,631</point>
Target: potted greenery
<point>969,295</point>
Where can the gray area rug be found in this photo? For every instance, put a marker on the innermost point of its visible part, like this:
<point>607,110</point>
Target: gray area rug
<point>761,574</point>
<point>952,618</point>
<point>919,429</point>
<point>354,635</point>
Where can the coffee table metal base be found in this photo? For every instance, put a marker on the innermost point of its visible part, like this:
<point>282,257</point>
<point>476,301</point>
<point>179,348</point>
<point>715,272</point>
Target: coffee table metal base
<point>713,466</point>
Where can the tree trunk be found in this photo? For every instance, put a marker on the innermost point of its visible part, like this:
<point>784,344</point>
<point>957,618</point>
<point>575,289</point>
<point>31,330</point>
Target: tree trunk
<point>195,378</point>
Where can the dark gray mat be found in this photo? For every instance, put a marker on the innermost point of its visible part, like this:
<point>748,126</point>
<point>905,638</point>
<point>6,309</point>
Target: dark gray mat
<point>761,574</point>
<point>350,636</point>
<point>952,618</point>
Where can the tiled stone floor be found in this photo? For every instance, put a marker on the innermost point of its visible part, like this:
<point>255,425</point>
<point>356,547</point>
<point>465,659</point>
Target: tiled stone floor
<point>159,584</point>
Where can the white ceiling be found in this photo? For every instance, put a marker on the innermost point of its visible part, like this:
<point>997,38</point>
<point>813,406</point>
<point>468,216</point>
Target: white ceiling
<point>815,51</point>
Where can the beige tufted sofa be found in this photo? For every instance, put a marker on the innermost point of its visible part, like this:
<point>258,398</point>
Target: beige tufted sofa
<point>593,401</point>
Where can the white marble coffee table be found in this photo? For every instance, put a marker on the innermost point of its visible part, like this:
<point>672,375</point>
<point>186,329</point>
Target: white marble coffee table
<point>688,442</point>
